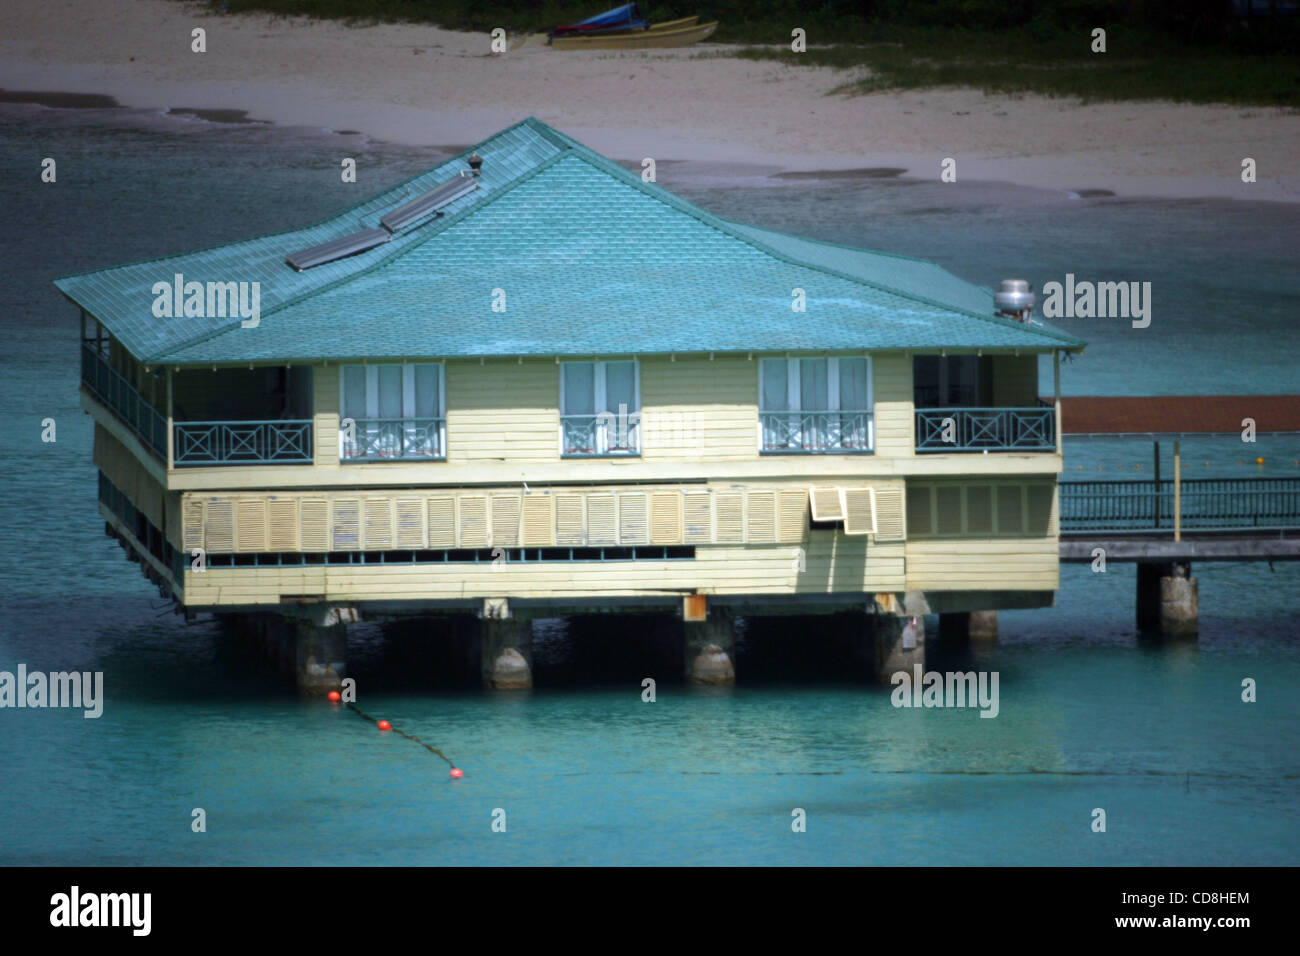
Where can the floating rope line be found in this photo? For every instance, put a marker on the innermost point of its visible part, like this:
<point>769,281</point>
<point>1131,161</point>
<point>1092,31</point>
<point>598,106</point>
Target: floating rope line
<point>401,733</point>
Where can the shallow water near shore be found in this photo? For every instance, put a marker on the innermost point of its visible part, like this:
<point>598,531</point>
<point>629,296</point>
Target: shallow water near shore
<point>586,772</point>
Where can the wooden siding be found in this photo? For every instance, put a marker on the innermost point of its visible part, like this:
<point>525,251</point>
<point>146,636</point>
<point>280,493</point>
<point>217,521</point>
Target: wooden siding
<point>832,563</point>
<point>699,409</point>
<point>979,564</point>
<point>894,413</point>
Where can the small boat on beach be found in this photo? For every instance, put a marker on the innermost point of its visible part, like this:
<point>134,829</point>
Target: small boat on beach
<point>623,28</point>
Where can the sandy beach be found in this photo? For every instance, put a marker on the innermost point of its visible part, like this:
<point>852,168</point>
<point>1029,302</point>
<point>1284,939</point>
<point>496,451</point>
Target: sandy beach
<point>426,86</point>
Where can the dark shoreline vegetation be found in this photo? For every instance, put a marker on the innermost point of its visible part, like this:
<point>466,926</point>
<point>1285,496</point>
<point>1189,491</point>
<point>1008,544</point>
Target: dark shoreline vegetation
<point>1196,51</point>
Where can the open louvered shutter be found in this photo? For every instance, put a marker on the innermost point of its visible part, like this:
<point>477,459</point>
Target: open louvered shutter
<point>826,504</point>
<point>859,510</point>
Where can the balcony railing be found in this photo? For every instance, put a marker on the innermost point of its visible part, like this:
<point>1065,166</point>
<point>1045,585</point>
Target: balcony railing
<point>397,439</point>
<point>241,443</point>
<point>985,429</point>
<point>606,434</point>
<point>817,433</point>
<point>119,395</point>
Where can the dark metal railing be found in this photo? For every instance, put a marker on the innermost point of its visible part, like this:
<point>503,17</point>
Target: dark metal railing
<point>121,397</point>
<point>985,429</point>
<point>817,433</point>
<point>241,443</point>
<point>592,436</point>
<point>394,439</point>
<point>1205,503</point>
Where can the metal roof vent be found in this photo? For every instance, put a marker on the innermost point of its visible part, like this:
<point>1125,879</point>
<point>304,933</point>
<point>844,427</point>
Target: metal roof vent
<point>1014,300</point>
<point>426,204</point>
<point>341,248</point>
<point>475,163</point>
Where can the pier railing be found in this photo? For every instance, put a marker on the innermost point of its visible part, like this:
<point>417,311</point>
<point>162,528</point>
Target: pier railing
<point>394,439</point>
<point>120,396</point>
<point>1205,503</point>
<point>817,433</point>
<point>985,429</point>
<point>241,443</point>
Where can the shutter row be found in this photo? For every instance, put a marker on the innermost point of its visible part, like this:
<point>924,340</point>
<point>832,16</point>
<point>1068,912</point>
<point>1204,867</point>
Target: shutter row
<point>536,520</point>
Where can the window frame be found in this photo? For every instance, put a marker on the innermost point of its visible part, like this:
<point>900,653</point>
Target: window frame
<point>794,400</point>
<point>371,402</point>
<point>600,448</point>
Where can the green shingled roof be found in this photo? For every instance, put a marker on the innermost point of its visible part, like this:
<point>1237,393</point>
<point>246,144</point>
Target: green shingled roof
<point>591,260</point>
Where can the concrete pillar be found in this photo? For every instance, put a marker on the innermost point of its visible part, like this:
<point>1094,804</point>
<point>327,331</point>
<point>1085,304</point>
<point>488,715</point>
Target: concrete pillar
<point>898,642</point>
<point>1179,603</point>
<point>313,645</point>
<point>507,653</point>
<point>710,648</point>
<point>983,626</point>
<point>1167,599</point>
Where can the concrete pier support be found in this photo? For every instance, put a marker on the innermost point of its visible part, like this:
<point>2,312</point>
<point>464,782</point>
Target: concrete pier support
<point>1167,599</point>
<point>711,648</point>
<point>898,643</point>
<point>958,628</point>
<point>983,626</point>
<point>313,646</point>
<point>507,651</point>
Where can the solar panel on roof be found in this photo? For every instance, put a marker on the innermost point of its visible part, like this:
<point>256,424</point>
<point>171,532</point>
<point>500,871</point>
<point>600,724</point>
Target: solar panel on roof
<point>428,203</point>
<point>348,245</point>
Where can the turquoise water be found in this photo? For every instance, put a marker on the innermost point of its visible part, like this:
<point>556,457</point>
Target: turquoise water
<point>586,772</point>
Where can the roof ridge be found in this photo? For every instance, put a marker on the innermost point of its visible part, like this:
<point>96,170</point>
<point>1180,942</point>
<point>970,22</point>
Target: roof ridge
<point>286,232</point>
<point>727,227</point>
<point>392,256</point>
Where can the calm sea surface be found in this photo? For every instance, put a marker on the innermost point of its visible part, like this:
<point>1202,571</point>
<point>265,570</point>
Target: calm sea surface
<point>585,771</point>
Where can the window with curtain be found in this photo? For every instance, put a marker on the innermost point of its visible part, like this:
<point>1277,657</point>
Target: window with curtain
<point>397,411</point>
<point>815,405</point>
<point>600,408</point>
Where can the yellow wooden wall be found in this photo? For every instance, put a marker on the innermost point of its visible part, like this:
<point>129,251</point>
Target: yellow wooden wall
<point>832,564</point>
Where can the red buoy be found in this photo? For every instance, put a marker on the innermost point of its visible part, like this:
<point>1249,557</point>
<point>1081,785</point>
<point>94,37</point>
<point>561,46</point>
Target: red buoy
<point>456,773</point>
<point>385,725</point>
<point>335,697</point>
